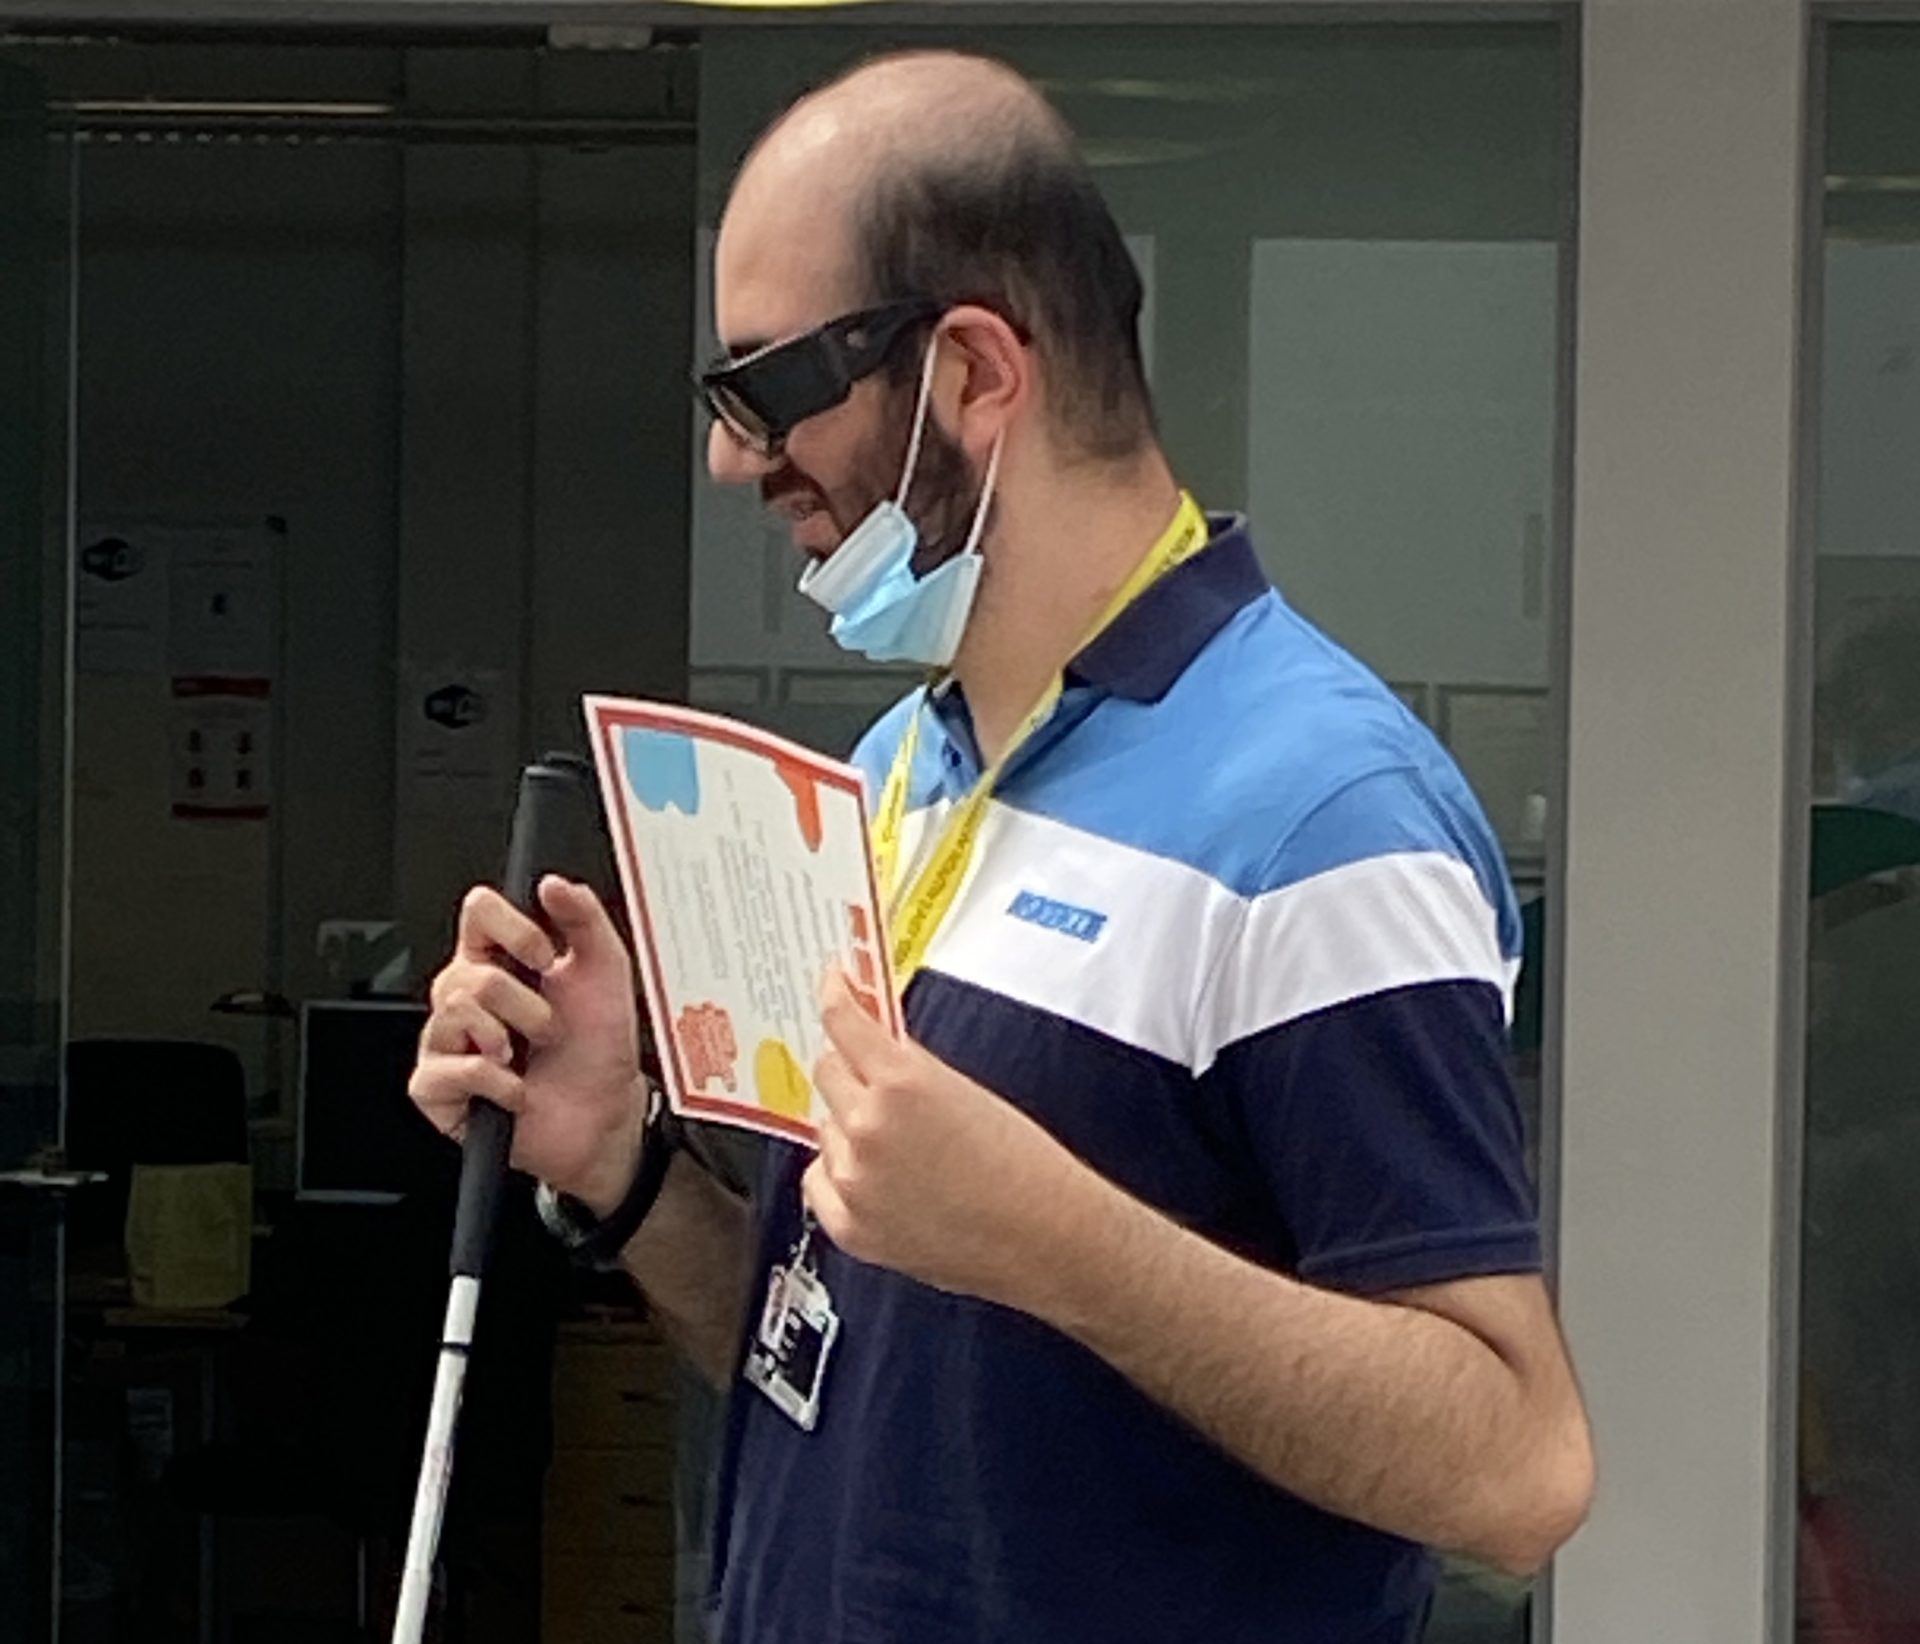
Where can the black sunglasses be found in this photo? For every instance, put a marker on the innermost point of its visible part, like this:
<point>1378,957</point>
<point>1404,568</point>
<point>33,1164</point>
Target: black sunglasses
<point>763,396</point>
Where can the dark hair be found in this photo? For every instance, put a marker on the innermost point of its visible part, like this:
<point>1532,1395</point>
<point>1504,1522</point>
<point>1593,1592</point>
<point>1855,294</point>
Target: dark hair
<point>1012,220</point>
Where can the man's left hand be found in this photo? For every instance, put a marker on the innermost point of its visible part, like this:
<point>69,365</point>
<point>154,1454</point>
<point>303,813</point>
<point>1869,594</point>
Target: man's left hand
<point>921,1169</point>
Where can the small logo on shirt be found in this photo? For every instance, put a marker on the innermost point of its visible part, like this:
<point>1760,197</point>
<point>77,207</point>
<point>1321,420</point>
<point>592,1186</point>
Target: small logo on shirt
<point>1082,924</point>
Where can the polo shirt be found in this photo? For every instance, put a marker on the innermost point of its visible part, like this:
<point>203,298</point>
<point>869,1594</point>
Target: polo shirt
<point>1237,933</point>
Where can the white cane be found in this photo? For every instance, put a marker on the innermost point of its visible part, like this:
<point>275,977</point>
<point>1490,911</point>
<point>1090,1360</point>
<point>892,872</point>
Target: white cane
<point>553,831</point>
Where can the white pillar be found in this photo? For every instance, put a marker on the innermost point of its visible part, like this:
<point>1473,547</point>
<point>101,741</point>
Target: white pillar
<point>1682,921</point>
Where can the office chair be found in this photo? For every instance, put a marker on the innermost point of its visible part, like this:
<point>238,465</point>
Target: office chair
<point>146,1101</point>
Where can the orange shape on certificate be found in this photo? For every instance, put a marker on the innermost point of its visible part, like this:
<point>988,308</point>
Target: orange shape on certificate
<point>707,1047</point>
<point>806,799</point>
<point>783,1087</point>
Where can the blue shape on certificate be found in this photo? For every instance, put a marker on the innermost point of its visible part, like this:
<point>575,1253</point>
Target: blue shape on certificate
<point>662,770</point>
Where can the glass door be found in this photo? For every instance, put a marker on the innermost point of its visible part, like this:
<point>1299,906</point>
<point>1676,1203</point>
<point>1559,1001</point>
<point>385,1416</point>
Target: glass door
<point>1857,1504</point>
<point>33,1184</point>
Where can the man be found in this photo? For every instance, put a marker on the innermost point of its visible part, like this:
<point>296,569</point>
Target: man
<point>1177,1276</point>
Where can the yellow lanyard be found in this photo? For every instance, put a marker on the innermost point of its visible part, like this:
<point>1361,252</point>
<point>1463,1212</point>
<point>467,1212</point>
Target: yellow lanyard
<point>916,911</point>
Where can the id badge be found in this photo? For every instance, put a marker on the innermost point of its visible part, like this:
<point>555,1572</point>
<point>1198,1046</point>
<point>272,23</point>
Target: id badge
<point>788,1359</point>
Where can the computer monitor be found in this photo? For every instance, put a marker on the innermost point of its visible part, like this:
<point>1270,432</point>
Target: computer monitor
<point>360,1139</point>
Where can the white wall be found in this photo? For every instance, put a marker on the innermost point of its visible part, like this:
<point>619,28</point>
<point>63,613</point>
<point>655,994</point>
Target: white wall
<point>1400,435</point>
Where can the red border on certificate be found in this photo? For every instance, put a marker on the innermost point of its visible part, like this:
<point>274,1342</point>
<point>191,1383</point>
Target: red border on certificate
<point>608,715</point>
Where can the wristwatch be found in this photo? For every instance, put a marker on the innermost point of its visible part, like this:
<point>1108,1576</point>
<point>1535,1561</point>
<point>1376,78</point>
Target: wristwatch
<point>597,1243</point>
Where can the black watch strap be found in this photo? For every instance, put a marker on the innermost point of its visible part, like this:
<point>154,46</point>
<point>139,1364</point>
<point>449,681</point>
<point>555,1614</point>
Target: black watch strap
<point>596,1242</point>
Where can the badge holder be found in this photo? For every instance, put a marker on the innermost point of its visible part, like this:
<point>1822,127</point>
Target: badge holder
<point>798,1326</point>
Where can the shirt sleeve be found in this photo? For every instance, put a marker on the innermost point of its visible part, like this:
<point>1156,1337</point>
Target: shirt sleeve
<point>1360,1021</point>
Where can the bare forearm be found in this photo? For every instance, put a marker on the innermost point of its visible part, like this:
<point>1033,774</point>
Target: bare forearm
<point>1377,1412</point>
<point>691,1258</point>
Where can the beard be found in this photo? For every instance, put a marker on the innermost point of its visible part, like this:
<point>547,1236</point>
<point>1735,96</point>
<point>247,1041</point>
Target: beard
<point>941,497</point>
<point>941,500</point>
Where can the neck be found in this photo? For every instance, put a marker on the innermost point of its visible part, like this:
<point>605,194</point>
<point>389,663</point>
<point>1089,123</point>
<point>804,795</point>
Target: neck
<point>1060,550</point>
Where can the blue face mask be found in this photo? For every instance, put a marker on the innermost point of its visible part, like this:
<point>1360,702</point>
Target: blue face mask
<point>881,610</point>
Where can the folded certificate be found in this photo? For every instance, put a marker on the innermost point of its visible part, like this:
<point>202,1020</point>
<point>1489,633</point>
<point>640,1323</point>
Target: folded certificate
<point>747,871</point>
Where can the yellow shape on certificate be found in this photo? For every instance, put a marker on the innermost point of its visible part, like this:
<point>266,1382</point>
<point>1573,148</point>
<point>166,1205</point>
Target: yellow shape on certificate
<point>784,1088</point>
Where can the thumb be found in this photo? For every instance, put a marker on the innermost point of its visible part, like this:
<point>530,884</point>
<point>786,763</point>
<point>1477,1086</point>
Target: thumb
<point>581,919</point>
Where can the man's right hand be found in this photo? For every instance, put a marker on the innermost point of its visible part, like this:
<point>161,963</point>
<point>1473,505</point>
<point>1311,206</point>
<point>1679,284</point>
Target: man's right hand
<point>580,1106</point>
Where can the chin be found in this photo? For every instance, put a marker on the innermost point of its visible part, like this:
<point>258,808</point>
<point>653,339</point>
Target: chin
<point>816,536</point>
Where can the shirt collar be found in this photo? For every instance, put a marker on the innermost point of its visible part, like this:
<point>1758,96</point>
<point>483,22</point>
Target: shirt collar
<point>1149,645</point>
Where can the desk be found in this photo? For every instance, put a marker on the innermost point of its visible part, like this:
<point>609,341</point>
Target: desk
<point>248,1472</point>
<point>195,1321</point>
<point>145,1384</point>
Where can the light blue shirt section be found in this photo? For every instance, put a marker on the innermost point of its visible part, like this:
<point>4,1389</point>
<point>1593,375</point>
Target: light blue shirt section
<point>1274,756</point>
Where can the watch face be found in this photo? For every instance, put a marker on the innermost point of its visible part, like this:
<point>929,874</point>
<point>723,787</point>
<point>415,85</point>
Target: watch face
<point>599,1244</point>
<point>566,1219</point>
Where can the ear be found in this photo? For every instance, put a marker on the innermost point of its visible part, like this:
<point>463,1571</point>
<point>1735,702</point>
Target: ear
<point>985,377</point>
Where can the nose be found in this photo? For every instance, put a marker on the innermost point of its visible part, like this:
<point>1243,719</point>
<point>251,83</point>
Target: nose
<point>732,462</point>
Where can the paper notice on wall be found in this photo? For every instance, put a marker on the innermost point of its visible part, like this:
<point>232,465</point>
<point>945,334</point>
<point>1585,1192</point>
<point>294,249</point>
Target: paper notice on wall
<point>220,605</point>
<point>219,733</point>
<point>747,871</point>
<point>456,739</point>
<point>194,598</point>
<point>120,602</point>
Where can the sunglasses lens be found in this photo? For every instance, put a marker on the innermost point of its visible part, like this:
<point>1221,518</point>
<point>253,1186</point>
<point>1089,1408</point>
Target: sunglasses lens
<point>771,391</point>
<point>741,420</point>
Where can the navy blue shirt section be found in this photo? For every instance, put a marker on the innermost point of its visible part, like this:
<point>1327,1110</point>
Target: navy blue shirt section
<point>1239,937</point>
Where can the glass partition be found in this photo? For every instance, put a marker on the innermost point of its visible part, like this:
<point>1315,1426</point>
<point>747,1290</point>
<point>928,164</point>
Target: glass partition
<point>1859,1450</point>
<point>373,434</point>
<point>35,290</point>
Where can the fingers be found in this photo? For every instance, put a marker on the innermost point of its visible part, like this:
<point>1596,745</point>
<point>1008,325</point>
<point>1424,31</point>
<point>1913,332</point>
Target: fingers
<point>505,998</point>
<point>837,1083</point>
<point>582,920</point>
<point>463,1024</point>
<point>443,1085</point>
<point>490,924</point>
<point>823,1199</point>
<point>856,1035</point>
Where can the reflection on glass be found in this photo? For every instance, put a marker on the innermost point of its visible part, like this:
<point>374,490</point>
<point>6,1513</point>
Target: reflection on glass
<point>1859,1451</point>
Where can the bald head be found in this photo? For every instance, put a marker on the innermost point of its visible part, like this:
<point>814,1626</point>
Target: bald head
<point>947,176</point>
<point>898,116</point>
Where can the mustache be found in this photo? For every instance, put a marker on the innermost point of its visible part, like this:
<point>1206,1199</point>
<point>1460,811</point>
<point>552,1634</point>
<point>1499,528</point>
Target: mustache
<point>786,482</point>
<point>787,490</point>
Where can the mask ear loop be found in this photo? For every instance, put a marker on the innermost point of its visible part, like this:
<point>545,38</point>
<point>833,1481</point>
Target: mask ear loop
<point>919,422</point>
<point>979,526</point>
<point>972,546</point>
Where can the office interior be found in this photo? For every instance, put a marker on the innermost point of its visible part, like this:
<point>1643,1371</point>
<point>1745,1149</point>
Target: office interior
<point>350,442</point>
